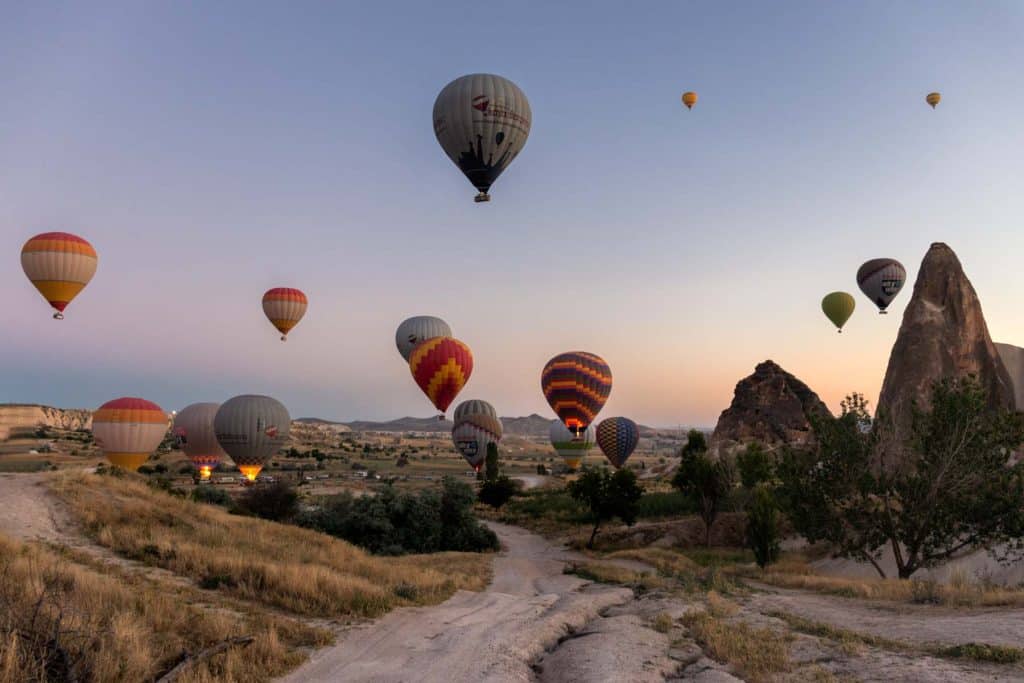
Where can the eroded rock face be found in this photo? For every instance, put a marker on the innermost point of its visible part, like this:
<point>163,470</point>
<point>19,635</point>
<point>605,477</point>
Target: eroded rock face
<point>1013,360</point>
<point>770,406</point>
<point>16,419</point>
<point>943,334</point>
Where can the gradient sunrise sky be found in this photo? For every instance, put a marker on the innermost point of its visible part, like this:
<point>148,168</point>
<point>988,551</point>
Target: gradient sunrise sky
<point>210,151</point>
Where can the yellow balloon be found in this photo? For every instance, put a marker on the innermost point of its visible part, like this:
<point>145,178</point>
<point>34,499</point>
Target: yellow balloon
<point>689,99</point>
<point>838,307</point>
<point>933,98</point>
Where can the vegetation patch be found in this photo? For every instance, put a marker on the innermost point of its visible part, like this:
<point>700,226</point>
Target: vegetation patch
<point>757,653</point>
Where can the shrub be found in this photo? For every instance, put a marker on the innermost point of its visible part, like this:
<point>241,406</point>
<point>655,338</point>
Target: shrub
<point>278,502</point>
<point>755,465</point>
<point>497,492</point>
<point>705,483</point>
<point>664,504</point>
<point>763,527</point>
<point>211,495</point>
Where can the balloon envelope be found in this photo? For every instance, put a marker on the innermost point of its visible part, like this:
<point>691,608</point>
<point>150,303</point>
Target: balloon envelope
<point>416,329</point>
<point>571,448</point>
<point>251,429</point>
<point>284,308</point>
<point>441,366</point>
<point>482,122</point>
<point>471,441</point>
<point>576,385</point>
<point>60,265</point>
<point>128,430</point>
<point>881,279</point>
<point>194,434</point>
<point>617,437</point>
<point>480,413</point>
<point>838,307</point>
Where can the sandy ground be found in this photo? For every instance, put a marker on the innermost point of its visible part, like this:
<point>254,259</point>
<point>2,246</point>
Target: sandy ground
<point>30,513</point>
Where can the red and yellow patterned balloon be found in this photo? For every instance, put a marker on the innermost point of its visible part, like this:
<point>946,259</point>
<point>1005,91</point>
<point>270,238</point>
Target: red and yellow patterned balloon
<point>441,366</point>
<point>284,307</point>
<point>60,265</point>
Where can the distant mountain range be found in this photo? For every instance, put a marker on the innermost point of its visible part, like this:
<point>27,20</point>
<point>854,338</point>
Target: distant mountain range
<point>531,425</point>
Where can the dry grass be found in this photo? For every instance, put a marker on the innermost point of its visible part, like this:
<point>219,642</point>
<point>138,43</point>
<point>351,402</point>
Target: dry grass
<point>662,622</point>
<point>666,561</point>
<point>721,607</point>
<point>960,591</point>
<point>60,620</point>
<point>280,565</point>
<point>757,653</point>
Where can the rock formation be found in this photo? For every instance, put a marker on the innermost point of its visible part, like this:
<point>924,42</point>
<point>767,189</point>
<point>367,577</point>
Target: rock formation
<point>943,334</point>
<point>771,407</point>
<point>19,419</point>
<point>1013,361</point>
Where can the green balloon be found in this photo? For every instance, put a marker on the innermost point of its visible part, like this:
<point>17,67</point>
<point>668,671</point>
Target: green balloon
<point>838,307</point>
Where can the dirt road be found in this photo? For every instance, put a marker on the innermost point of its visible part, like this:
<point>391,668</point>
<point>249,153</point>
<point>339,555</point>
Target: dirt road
<point>487,636</point>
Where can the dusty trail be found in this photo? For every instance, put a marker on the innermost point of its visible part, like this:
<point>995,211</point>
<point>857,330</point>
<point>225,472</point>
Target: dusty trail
<point>30,513</point>
<point>487,636</point>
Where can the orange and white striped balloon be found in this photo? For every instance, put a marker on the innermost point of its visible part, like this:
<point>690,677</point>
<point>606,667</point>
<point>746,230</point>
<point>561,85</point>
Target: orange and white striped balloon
<point>128,430</point>
<point>60,265</point>
<point>284,307</point>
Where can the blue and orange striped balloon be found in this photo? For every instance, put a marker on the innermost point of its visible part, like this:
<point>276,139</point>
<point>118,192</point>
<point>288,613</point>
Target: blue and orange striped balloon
<point>577,385</point>
<point>441,366</point>
<point>617,437</point>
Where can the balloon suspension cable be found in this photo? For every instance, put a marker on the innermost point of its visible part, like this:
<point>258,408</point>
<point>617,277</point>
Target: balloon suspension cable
<point>58,316</point>
<point>482,197</point>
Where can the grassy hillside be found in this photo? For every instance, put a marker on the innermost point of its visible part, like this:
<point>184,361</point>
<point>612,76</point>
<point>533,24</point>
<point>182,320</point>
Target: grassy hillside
<point>301,571</point>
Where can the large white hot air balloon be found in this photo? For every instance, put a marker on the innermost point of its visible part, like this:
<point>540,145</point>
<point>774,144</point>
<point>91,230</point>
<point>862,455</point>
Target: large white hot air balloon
<point>571,448</point>
<point>482,122</point>
<point>251,429</point>
<point>193,431</point>
<point>414,330</point>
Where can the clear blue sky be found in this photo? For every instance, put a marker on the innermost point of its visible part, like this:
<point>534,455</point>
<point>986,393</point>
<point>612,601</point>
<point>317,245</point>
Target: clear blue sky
<point>210,151</point>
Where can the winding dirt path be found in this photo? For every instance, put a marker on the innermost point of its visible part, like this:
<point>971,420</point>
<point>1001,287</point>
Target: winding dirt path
<point>487,636</point>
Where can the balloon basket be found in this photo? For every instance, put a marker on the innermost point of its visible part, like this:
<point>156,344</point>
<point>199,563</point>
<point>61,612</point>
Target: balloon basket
<point>482,197</point>
<point>58,316</point>
<point>284,338</point>
<point>883,313</point>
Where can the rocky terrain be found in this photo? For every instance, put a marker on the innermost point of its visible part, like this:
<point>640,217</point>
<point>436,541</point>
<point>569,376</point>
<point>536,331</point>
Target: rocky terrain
<point>24,419</point>
<point>772,407</point>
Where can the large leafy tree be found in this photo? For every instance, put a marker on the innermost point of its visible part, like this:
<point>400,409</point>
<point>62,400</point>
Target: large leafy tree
<point>950,488</point>
<point>607,495</point>
<point>705,483</point>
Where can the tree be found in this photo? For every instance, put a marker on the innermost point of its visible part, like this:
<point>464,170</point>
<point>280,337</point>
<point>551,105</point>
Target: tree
<point>762,532</point>
<point>497,492</point>
<point>949,488</point>
<point>278,502</point>
<point>755,465</point>
<point>492,470</point>
<point>695,443</point>
<point>705,484</point>
<point>607,495</point>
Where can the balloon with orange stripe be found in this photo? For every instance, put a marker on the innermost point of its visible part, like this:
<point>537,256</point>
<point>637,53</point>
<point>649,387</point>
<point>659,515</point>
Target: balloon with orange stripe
<point>284,307</point>
<point>128,430</point>
<point>441,366</point>
<point>576,385</point>
<point>60,265</point>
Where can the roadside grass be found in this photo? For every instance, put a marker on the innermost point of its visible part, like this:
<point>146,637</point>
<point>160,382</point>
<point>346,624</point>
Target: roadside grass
<point>960,591</point>
<point>602,572</point>
<point>689,575</point>
<point>283,566</point>
<point>758,654</point>
<point>980,652</point>
<point>62,620</point>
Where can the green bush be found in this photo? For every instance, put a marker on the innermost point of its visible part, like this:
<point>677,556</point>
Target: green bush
<point>212,496</point>
<point>607,495</point>
<point>278,502</point>
<point>664,504</point>
<point>497,492</point>
<point>395,523</point>
<point>762,531</point>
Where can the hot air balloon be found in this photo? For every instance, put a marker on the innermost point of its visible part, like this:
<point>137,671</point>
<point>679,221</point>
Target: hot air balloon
<point>441,366</point>
<point>251,429</point>
<point>476,425</point>
<point>838,307</point>
<point>576,385</point>
<point>617,437</point>
<point>194,434</point>
<point>933,98</point>
<point>414,330</point>
<point>881,279</point>
<point>60,265</point>
<point>128,430</point>
<point>690,99</point>
<point>284,307</point>
<point>569,447</point>
<point>482,122</point>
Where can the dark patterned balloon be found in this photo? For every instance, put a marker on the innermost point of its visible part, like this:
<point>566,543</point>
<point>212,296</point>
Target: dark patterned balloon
<point>617,437</point>
<point>881,279</point>
<point>576,385</point>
